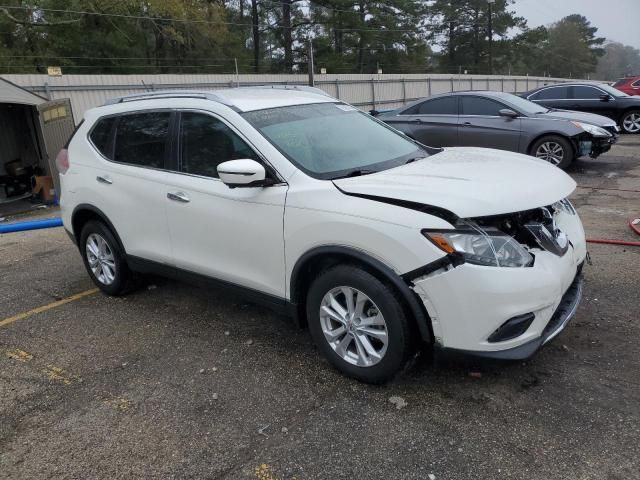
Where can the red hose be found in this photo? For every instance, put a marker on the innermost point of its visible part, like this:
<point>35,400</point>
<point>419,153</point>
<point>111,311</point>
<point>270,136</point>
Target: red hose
<point>634,224</point>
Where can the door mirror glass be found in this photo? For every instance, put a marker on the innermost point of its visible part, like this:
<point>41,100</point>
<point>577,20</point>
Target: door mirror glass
<point>242,173</point>
<point>508,113</point>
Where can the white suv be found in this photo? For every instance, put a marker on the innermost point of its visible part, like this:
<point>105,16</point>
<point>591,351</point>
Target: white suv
<point>376,242</point>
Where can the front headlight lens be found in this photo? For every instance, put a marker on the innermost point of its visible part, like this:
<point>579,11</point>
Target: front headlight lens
<point>489,247</point>
<point>592,129</point>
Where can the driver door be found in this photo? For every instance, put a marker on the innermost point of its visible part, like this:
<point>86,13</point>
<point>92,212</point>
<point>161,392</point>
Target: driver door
<point>231,234</point>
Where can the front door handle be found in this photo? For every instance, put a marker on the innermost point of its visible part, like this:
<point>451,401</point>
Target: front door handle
<point>466,124</point>
<point>178,197</point>
<point>416,120</point>
<point>106,180</point>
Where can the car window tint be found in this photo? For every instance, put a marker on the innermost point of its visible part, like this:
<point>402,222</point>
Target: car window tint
<point>206,142</point>
<point>141,139</point>
<point>440,106</point>
<point>480,106</point>
<point>553,93</point>
<point>586,93</point>
<point>101,135</point>
<point>636,83</point>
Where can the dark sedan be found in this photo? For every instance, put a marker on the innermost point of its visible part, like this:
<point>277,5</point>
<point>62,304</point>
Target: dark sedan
<point>598,98</point>
<point>506,122</point>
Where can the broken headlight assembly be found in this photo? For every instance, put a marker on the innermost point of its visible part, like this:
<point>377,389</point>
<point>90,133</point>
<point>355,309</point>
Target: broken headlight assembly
<point>481,246</point>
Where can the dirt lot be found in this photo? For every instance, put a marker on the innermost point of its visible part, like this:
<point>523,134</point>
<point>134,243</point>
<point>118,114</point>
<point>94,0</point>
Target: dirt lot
<point>178,382</point>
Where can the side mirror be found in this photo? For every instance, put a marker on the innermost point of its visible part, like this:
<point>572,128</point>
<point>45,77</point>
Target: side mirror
<point>604,97</point>
<point>508,113</point>
<point>242,173</point>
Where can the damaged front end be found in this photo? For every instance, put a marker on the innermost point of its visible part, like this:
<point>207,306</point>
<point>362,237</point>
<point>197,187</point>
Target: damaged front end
<point>506,240</point>
<point>587,144</point>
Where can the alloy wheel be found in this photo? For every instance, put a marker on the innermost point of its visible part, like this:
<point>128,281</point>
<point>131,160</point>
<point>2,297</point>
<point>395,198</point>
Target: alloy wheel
<point>101,259</point>
<point>552,152</point>
<point>631,123</point>
<point>353,326</point>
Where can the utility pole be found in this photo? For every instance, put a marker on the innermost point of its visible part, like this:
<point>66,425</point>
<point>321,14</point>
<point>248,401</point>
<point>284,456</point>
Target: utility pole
<point>490,38</point>
<point>310,62</point>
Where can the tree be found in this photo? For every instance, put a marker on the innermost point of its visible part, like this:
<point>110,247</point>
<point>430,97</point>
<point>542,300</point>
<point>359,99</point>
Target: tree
<point>618,60</point>
<point>572,48</point>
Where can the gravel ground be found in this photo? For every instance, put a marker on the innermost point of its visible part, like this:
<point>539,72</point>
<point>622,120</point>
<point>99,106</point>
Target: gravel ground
<point>175,381</point>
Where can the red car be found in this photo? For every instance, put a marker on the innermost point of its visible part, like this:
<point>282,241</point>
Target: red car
<point>629,85</point>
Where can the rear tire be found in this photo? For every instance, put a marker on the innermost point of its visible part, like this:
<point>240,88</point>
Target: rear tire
<point>368,337</point>
<point>630,121</point>
<point>104,260</point>
<point>555,150</point>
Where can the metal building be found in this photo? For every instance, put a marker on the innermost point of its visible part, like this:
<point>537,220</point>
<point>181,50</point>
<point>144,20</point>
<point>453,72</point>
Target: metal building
<point>32,131</point>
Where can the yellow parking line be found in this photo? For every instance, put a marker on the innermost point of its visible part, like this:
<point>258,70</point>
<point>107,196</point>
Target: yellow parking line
<point>49,306</point>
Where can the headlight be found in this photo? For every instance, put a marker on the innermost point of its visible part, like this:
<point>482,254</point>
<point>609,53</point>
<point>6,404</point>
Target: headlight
<point>565,206</point>
<point>489,246</point>
<point>592,129</point>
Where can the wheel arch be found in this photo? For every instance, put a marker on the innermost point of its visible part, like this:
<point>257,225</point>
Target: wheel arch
<point>84,213</point>
<point>318,259</point>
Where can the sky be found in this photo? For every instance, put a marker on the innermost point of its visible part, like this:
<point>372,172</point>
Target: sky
<point>617,20</point>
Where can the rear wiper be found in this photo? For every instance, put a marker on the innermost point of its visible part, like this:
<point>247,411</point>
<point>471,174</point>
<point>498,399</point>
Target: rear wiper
<point>356,173</point>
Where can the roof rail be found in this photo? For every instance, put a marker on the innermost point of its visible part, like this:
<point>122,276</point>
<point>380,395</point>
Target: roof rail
<point>302,88</point>
<point>168,94</point>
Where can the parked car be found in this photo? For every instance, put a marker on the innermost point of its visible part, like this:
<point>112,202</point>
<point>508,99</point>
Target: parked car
<point>629,85</point>
<point>315,208</point>
<point>506,122</point>
<point>601,99</point>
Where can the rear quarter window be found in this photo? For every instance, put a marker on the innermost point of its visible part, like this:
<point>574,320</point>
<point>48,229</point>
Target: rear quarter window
<point>101,136</point>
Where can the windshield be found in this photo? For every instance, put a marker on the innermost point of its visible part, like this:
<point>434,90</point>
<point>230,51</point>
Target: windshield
<point>331,140</point>
<point>612,91</point>
<point>524,106</point>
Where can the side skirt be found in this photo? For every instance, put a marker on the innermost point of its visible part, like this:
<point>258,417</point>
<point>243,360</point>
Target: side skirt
<point>277,304</point>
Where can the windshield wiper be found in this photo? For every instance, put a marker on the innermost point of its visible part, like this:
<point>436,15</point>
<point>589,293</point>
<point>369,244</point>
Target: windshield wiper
<point>356,173</point>
<point>414,159</point>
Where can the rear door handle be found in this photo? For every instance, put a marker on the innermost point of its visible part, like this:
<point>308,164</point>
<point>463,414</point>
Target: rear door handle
<point>106,180</point>
<point>178,197</point>
<point>467,124</point>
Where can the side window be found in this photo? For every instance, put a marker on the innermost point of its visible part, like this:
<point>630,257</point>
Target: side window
<point>141,139</point>
<point>206,142</point>
<point>586,93</point>
<point>101,136</point>
<point>480,106</point>
<point>636,83</point>
<point>553,93</point>
<point>440,106</point>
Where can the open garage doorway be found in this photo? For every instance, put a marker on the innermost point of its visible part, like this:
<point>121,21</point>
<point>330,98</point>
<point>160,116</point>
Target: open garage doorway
<point>32,131</point>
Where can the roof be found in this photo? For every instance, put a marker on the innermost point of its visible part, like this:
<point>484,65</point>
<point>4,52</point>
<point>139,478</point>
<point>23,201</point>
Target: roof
<point>12,93</point>
<point>243,99</point>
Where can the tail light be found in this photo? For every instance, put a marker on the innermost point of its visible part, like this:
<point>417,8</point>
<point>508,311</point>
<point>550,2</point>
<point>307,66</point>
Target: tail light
<point>62,161</point>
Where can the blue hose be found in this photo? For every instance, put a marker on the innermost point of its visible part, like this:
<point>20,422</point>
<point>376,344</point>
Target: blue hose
<point>31,225</point>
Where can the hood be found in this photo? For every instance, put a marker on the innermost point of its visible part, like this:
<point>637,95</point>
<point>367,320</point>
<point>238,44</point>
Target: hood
<point>591,118</point>
<point>469,182</point>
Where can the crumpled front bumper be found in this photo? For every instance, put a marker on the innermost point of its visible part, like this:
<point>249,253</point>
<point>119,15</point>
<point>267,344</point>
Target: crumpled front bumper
<point>468,303</point>
<point>593,146</point>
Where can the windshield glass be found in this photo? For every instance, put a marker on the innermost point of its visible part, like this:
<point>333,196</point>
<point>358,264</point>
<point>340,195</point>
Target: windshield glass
<point>524,106</point>
<point>331,140</point>
<point>612,91</point>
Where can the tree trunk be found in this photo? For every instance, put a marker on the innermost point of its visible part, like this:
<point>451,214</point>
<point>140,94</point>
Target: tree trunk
<point>287,39</point>
<point>256,36</point>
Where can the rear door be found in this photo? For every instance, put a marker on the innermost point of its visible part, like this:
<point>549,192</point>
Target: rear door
<point>129,180</point>
<point>433,122</point>
<point>57,126</point>
<point>555,96</point>
<point>482,126</point>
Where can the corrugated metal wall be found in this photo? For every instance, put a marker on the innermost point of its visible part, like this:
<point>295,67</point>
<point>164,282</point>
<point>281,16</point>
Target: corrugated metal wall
<point>365,91</point>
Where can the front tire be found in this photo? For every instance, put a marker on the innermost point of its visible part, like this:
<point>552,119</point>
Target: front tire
<point>104,259</point>
<point>630,122</point>
<point>358,323</point>
<point>555,150</point>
